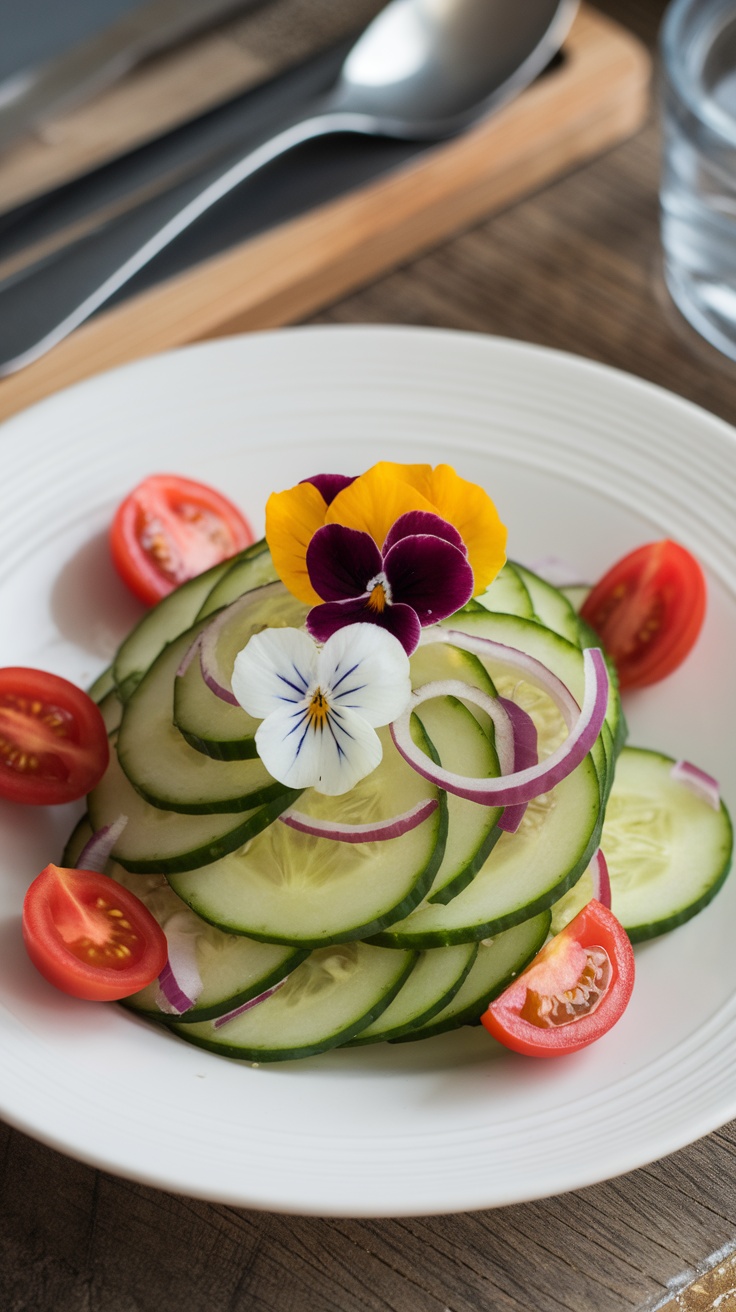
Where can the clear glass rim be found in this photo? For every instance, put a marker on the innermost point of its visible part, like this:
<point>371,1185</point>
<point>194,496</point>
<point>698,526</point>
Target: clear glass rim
<point>675,70</point>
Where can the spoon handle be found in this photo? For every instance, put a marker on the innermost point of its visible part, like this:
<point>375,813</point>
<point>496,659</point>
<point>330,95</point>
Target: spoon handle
<point>38,309</point>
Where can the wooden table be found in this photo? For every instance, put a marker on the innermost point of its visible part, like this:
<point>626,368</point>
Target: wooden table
<point>577,267</point>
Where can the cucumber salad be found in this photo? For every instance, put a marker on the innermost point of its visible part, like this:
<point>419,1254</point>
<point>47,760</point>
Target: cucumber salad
<point>365,780</point>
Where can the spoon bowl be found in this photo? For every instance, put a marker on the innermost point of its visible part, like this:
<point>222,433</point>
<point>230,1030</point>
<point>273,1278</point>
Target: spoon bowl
<point>422,70</point>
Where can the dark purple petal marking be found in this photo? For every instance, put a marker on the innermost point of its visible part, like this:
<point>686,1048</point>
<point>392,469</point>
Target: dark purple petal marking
<point>401,621</point>
<point>328,485</point>
<point>340,562</point>
<point>323,621</point>
<point>430,575</point>
<point>424,522</point>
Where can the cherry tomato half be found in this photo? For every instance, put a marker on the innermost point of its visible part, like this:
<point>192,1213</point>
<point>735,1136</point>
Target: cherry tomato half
<point>573,991</point>
<point>648,611</point>
<point>90,937</point>
<point>169,529</point>
<point>53,740</point>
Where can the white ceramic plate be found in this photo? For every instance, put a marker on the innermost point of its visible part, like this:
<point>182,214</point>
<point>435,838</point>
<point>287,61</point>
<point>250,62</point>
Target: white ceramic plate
<point>584,463</point>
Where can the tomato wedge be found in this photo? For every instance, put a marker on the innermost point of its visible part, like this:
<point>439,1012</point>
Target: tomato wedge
<point>169,529</point>
<point>573,991</point>
<point>53,740</point>
<point>90,937</point>
<point>648,611</point>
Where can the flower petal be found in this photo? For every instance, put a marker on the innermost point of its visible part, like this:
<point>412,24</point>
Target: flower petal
<point>328,485</point>
<point>470,509</point>
<point>422,521</point>
<point>365,670</point>
<point>341,561</point>
<point>276,668</point>
<point>375,501</point>
<point>430,575</point>
<point>292,518</point>
<point>331,757</point>
<point>400,621</point>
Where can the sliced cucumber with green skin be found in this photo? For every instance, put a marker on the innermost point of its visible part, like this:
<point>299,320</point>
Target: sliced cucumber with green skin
<point>461,744</point>
<point>498,963</point>
<point>668,851</point>
<point>161,764</point>
<point>208,723</point>
<point>111,710</point>
<point>170,617</point>
<point>334,994</point>
<point>233,969</point>
<point>252,569</point>
<point>551,607</point>
<point>525,873</point>
<point>576,594</point>
<point>289,887</point>
<point>561,656</point>
<point>433,983</point>
<point>158,841</point>
<point>507,593</point>
<point>103,684</point>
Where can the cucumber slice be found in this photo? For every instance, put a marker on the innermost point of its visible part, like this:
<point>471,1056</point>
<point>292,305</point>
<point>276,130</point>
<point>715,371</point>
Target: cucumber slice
<point>288,887</point>
<point>252,569</point>
<point>472,831</point>
<point>334,994</point>
<point>161,764</point>
<point>576,594</point>
<point>560,655</point>
<point>208,723</point>
<point>233,969</point>
<point>433,983</point>
<point>507,594</point>
<point>158,841</point>
<point>498,962</point>
<point>551,606</point>
<point>103,684</point>
<point>668,851</point>
<point>525,873</point>
<point>165,621</point>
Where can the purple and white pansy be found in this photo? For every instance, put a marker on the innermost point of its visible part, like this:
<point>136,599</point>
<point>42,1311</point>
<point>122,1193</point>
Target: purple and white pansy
<point>320,706</point>
<point>420,576</point>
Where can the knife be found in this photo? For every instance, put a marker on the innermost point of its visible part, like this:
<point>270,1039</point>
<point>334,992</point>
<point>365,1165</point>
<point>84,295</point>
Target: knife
<point>32,95</point>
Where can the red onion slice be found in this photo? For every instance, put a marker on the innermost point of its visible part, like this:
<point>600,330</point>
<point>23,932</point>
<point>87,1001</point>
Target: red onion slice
<point>216,678</point>
<point>520,785</point>
<point>246,1006</point>
<point>701,784</point>
<point>180,983</point>
<point>525,754</point>
<point>376,832</point>
<point>96,852</point>
<point>601,879</point>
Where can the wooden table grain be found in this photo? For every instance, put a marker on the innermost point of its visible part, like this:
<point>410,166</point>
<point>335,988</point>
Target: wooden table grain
<point>575,267</point>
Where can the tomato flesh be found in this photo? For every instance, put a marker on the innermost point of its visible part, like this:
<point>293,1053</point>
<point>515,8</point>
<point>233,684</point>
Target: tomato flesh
<point>53,740</point>
<point>90,937</point>
<point>573,991</point>
<point>169,529</point>
<point>648,611</point>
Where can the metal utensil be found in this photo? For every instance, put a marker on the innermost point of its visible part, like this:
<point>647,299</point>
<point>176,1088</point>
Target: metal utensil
<point>32,95</point>
<point>423,70</point>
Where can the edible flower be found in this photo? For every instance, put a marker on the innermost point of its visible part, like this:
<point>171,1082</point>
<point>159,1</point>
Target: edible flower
<point>320,705</point>
<point>421,576</point>
<point>372,503</point>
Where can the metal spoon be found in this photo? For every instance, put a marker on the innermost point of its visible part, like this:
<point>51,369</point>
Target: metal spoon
<point>423,70</point>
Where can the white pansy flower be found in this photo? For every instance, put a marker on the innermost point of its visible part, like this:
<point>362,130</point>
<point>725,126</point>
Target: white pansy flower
<point>320,705</point>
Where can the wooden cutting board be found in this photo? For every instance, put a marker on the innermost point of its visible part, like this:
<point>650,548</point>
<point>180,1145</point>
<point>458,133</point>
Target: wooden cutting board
<point>594,98</point>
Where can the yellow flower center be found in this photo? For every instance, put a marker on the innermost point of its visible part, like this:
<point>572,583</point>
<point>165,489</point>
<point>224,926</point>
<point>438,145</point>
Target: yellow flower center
<point>318,710</point>
<point>377,598</point>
